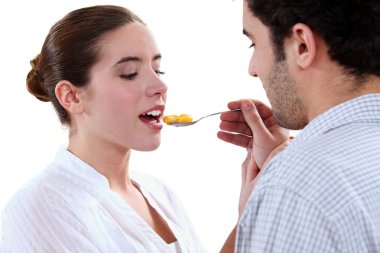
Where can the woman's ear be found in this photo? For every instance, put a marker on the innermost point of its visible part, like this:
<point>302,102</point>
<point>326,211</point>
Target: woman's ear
<point>69,96</point>
<point>303,45</point>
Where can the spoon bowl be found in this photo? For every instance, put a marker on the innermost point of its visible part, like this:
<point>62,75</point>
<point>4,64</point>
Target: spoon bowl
<point>184,124</point>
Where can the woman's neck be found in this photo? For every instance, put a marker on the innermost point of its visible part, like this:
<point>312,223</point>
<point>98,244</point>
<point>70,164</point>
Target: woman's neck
<point>106,158</point>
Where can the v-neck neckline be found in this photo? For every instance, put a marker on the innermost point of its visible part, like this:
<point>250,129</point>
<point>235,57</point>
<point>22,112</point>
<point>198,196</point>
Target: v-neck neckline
<point>138,219</point>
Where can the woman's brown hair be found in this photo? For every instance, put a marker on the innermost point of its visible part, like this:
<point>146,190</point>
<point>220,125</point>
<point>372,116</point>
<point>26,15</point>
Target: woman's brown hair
<point>71,48</point>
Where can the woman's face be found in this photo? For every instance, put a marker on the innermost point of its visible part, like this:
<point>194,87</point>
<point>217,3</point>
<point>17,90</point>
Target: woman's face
<point>125,98</point>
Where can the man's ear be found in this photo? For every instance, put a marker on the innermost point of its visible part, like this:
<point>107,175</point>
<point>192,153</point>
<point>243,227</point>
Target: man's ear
<point>303,45</point>
<point>69,96</point>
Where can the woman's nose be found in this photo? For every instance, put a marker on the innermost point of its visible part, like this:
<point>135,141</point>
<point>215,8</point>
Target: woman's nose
<point>157,86</point>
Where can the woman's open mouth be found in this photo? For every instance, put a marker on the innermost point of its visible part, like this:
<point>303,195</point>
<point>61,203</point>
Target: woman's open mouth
<point>152,119</point>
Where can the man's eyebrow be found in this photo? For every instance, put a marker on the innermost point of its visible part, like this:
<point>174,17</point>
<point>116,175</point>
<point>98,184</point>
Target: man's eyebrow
<point>157,57</point>
<point>246,33</point>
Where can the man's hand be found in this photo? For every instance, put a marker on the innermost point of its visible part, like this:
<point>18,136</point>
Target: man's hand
<point>254,128</point>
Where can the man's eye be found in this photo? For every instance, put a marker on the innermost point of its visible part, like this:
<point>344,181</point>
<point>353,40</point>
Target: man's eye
<point>129,76</point>
<point>158,72</point>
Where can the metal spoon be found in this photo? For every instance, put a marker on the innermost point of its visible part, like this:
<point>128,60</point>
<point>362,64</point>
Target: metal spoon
<point>183,124</point>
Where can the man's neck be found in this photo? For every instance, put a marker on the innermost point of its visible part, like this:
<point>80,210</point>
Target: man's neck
<point>339,90</point>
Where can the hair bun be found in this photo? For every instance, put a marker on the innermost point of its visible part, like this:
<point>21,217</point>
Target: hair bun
<point>35,82</point>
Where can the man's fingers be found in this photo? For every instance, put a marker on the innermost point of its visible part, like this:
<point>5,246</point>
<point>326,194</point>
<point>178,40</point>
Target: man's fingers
<point>253,119</point>
<point>234,104</point>
<point>233,127</point>
<point>232,116</point>
<point>236,139</point>
<point>264,110</point>
<point>269,122</point>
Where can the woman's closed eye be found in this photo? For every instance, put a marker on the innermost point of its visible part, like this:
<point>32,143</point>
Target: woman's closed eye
<point>133,75</point>
<point>129,76</point>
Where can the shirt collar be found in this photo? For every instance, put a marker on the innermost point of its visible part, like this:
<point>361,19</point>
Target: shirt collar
<point>72,166</point>
<point>363,109</point>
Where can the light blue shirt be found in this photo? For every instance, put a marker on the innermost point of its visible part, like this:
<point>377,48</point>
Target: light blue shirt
<point>322,193</point>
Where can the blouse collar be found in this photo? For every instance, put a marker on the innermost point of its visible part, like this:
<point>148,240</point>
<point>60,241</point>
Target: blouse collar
<point>71,165</point>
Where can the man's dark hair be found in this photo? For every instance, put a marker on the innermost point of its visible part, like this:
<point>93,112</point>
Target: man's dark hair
<point>350,28</point>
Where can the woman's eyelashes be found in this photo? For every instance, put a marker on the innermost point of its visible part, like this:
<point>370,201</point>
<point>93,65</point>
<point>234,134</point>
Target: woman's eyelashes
<point>252,45</point>
<point>133,75</point>
<point>130,76</point>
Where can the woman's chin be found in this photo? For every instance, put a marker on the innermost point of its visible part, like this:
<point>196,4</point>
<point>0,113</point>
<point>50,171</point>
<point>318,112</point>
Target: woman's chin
<point>148,147</point>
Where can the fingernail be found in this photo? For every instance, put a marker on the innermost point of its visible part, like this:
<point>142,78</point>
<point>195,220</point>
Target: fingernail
<point>247,105</point>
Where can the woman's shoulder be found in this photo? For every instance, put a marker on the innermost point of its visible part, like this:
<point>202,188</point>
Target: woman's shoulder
<point>34,195</point>
<point>43,215</point>
<point>46,191</point>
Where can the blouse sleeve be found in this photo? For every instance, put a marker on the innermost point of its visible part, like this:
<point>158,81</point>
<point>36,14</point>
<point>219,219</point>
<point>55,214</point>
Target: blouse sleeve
<point>38,220</point>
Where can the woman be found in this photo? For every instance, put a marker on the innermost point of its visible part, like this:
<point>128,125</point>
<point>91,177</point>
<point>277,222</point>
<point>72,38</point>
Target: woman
<point>100,68</point>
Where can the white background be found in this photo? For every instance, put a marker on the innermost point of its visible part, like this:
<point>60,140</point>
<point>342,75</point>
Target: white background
<point>205,57</point>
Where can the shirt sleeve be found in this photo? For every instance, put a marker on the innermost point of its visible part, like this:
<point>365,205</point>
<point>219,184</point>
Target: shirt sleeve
<point>35,220</point>
<point>278,220</point>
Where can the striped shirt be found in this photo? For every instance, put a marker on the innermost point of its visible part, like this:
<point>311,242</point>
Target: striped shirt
<point>70,207</point>
<point>322,193</point>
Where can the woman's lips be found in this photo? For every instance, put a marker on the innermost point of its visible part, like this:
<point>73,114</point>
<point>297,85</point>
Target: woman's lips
<point>152,117</point>
<point>151,121</point>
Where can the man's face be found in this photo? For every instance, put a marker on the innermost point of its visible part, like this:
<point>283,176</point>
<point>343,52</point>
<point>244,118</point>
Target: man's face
<point>279,85</point>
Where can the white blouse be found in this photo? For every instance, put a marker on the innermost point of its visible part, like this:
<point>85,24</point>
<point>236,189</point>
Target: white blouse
<point>70,207</point>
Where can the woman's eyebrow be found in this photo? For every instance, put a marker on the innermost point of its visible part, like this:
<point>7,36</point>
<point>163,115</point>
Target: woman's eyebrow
<point>128,59</point>
<point>136,59</point>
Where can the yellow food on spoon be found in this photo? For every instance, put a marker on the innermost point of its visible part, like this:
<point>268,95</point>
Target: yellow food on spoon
<point>184,118</point>
<point>169,119</point>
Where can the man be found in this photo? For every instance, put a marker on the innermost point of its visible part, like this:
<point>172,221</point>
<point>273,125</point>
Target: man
<point>319,63</point>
